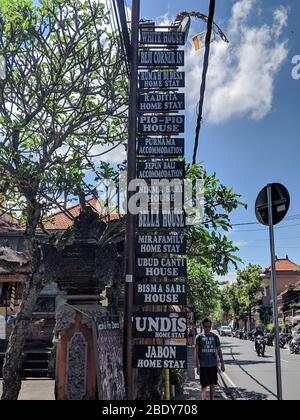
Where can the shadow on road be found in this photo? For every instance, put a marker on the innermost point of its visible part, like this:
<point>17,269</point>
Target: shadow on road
<point>247,362</point>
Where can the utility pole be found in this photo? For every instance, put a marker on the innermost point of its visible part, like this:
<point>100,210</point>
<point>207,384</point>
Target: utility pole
<point>131,175</point>
<point>274,294</point>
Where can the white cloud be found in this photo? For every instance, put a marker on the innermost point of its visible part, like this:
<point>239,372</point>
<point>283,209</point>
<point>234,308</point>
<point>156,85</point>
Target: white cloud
<point>229,278</point>
<point>242,74</point>
<point>240,244</point>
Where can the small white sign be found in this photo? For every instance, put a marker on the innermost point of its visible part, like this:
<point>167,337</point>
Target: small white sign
<point>2,68</point>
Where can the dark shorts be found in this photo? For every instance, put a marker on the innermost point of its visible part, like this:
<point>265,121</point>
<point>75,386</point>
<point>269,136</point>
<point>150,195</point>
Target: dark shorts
<point>209,376</point>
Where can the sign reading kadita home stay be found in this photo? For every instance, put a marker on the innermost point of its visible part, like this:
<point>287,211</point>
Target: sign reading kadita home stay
<point>160,146</point>
<point>160,294</point>
<point>160,357</point>
<point>161,243</point>
<point>164,220</point>
<point>160,325</point>
<point>152,58</point>
<point>162,38</point>
<point>161,102</point>
<point>160,169</point>
<point>161,124</point>
<point>162,79</point>
<point>160,267</point>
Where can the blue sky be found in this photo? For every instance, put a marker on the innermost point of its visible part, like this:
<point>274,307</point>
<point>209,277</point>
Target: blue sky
<point>252,138</point>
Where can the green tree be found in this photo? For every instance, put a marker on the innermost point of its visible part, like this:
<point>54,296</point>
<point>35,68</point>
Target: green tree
<point>62,106</point>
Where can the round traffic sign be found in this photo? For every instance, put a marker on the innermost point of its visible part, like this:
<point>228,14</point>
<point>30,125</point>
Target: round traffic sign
<point>280,204</point>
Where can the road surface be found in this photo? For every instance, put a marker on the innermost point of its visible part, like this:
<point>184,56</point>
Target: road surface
<point>250,377</point>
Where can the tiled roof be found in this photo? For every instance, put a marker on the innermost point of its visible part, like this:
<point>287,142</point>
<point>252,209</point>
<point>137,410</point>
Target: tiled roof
<point>62,221</point>
<point>7,222</point>
<point>284,264</point>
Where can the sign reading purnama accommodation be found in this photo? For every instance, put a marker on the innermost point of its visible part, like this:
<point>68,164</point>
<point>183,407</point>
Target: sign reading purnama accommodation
<point>160,146</point>
<point>165,325</point>
<point>160,357</point>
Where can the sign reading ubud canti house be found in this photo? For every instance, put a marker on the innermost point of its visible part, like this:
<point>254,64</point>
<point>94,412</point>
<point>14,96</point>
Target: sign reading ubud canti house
<point>165,325</point>
<point>162,79</point>
<point>160,267</point>
<point>160,293</point>
<point>160,357</point>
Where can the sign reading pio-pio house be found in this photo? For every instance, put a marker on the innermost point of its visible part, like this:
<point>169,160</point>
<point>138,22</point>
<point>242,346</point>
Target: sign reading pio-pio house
<point>161,79</point>
<point>161,220</point>
<point>160,293</point>
<point>161,102</point>
<point>161,124</point>
<point>160,357</point>
<point>162,38</point>
<point>160,169</point>
<point>165,325</point>
<point>160,267</point>
<point>161,243</point>
<point>152,58</point>
<point>160,146</point>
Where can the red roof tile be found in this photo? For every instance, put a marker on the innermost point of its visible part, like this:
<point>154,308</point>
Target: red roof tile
<point>62,220</point>
<point>284,264</point>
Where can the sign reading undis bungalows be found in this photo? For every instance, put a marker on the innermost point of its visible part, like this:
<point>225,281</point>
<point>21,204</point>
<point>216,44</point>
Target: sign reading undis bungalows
<point>162,38</point>
<point>152,58</point>
<point>160,325</point>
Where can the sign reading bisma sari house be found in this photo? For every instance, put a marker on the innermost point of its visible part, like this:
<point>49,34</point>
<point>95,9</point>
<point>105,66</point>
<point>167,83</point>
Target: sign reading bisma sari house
<point>160,325</point>
<point>160,293</point>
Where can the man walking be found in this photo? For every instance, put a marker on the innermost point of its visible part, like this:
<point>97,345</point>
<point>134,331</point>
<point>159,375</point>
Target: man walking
<point>208,348</point>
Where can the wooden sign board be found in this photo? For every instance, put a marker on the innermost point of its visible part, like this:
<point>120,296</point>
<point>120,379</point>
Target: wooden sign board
<point>168,220</point>
<point>162,38</point>
<point>160,294</point>
<point>161,79</point>
<point>161,58</point>
<point>161,102</point>
<point>160,267</point>
<point>161,243</point>
<point>159,357</point>
<point>161,124</point>
<point>162,169</point>
<point>160,146</point>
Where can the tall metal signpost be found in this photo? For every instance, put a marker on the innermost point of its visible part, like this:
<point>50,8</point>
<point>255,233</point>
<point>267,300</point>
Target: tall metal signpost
<point>131,175</point>
<point>271,207</point>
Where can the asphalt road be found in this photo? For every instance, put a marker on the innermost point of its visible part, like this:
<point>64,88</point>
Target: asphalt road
<point>250,377</point>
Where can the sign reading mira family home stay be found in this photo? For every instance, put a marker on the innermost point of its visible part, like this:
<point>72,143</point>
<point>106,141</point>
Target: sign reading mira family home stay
<point>160,146</point>
<point>160,357</point>
<point>152,58</point>
<point>168,325</point>
<point>160,169</point>
<point>162,38</point>
<point>161,243</point>
<point>160,293</point>
<point>160,267</point>
<point>161,124</point>
<point>160,102</point>
<point>161,79</point>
